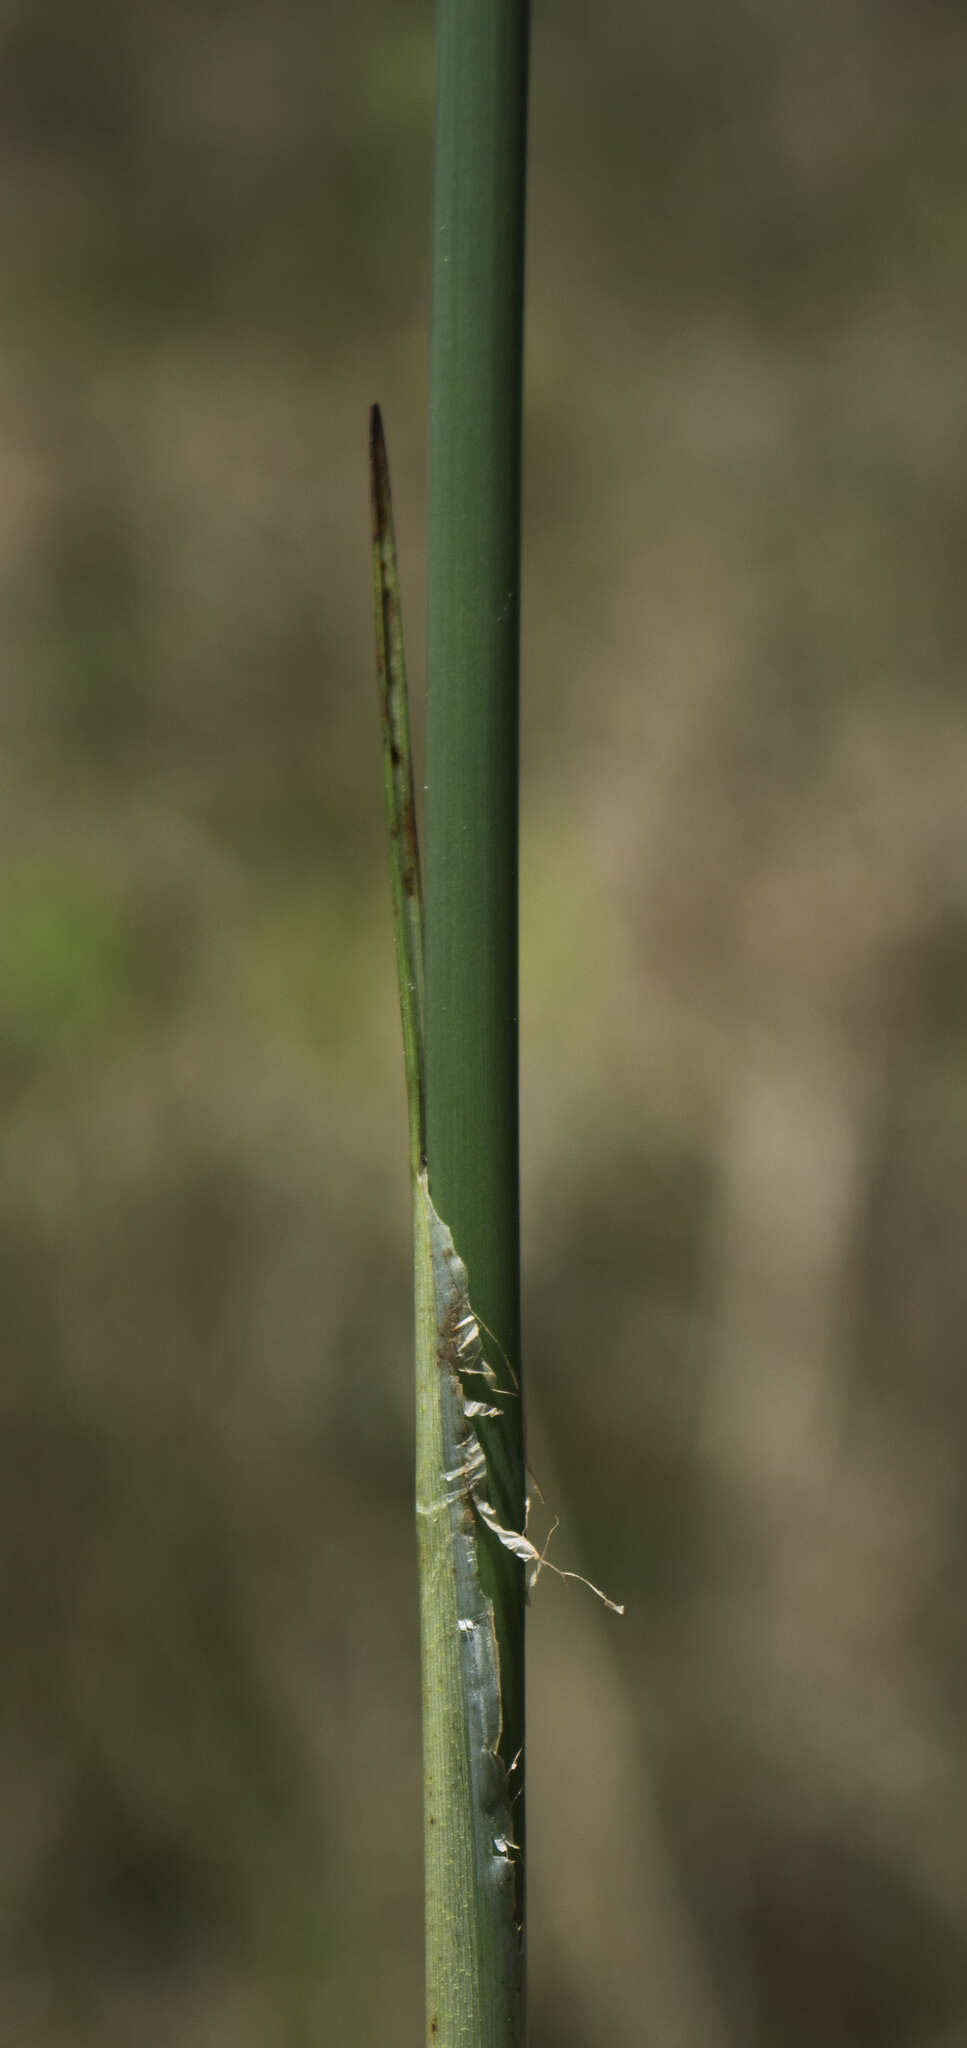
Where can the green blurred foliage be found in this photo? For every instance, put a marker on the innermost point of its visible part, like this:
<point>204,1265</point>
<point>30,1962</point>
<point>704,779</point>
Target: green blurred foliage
<point>744,982</point>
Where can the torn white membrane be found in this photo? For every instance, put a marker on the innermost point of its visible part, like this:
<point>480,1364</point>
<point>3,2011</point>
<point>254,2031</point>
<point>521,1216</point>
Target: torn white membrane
<point>464,1772</point>
<point>461,1351</point>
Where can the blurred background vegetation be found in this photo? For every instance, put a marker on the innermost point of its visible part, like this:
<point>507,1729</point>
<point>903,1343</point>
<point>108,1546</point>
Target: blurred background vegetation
<point>744,1020</point>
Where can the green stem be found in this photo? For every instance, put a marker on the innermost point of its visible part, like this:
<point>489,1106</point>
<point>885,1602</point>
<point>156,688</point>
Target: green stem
<point>472,742</point>
<point>471,1784</point>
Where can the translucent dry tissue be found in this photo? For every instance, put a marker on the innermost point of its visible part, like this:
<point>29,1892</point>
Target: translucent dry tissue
<point>460,1356</point>
<point>457,1387</point>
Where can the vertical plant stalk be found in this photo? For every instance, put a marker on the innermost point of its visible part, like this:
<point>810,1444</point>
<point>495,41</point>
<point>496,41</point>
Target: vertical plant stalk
<point>474,1949</point>
<point>472,746</point>
<point>460,1039</point>
<point>465,1408</point>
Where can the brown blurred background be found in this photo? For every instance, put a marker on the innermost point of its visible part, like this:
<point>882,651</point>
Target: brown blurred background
<point>744,1022</point>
